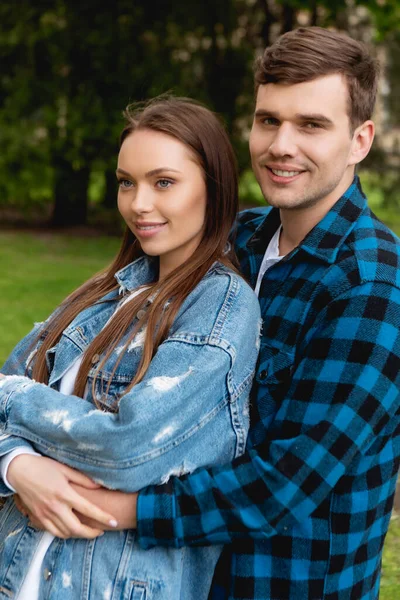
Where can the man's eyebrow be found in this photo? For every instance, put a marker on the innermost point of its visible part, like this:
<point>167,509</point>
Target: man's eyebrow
<point>319,118</point>
<point>314,117</point>
<point>152,172</point>
<point>261,112</point>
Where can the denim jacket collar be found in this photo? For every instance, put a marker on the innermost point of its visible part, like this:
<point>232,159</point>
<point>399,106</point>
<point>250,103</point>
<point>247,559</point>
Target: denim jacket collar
<point>139,272</point>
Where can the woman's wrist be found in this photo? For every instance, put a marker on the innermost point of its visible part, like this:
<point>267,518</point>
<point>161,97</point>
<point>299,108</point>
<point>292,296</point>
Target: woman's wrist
<point>7,459</point>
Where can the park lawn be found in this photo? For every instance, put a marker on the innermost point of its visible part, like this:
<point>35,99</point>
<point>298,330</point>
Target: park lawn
<point>390,582</point>
<point>39,270</point>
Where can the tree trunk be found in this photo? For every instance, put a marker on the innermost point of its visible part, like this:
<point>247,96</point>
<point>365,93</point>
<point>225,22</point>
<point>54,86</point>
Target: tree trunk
<point>70,194</point>
<point>288,17</point>
<point>267,22</point>
<point>314,13</point>
<point>110,192</point>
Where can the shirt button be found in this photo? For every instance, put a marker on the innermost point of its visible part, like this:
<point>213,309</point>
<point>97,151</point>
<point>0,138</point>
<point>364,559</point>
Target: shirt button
<point>95,358</point>
<point>141,313</point>
<point>47,574</point>
<point>264,374</point>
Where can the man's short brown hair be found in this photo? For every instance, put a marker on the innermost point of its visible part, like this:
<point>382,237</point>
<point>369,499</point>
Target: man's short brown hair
<point>311,52</point>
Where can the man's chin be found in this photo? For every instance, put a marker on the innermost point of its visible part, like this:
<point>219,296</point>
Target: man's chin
<point>281,200</point>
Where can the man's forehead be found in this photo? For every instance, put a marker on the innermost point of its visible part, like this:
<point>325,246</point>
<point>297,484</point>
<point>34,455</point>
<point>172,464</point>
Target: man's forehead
<point>326,95</point>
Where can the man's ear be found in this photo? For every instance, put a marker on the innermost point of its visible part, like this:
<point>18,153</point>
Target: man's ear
<point>362,142</point>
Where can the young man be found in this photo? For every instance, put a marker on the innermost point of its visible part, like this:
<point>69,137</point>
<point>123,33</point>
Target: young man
<point>305,511</point>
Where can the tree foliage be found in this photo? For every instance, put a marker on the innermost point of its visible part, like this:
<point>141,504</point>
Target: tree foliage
<point>68,70</point>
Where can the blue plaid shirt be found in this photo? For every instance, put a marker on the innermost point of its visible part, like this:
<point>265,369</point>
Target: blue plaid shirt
<point>305,511</point>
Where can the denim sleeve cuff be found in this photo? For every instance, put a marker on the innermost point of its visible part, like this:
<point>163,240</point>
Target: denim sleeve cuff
<point>9,384</point>
<point>156,517</point>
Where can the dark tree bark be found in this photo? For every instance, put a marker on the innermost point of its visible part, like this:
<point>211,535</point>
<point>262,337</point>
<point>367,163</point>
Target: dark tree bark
<point>288,17</point>
<point>70,194</point>
<point>314,13</point>
<point>268,20</point>
<point>110,192</point>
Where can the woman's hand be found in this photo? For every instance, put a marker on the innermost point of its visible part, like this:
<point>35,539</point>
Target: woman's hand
<point>46,493</point>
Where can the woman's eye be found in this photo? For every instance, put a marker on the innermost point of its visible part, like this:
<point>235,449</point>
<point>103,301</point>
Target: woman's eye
<point>125,183</point>
<point>164,183</point>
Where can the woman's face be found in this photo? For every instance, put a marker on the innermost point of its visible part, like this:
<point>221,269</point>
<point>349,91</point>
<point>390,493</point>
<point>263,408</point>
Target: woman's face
<point>162,196</point>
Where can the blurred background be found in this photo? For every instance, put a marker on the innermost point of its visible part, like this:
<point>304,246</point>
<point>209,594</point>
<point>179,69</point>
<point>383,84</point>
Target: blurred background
<point>67,71</point>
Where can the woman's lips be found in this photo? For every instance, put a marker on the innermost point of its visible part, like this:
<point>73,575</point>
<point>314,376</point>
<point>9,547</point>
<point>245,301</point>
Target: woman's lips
<point>147,229</point>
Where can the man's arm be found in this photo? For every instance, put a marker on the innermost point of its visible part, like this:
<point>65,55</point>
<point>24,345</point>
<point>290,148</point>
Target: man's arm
<point>121,505</point>
<point>344,392</point>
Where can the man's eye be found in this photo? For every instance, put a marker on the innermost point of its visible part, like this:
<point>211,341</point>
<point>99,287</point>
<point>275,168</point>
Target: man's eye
<point>270,121</point>
<point>164,183</point>
<point>312,125</point>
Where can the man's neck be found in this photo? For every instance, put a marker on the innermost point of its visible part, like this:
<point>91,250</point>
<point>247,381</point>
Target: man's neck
<point>298,222</point>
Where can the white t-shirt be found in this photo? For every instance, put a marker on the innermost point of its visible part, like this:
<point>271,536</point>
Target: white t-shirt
<point>271,257</point>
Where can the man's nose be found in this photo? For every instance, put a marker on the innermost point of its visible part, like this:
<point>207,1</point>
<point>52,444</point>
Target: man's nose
<point>284,141</point>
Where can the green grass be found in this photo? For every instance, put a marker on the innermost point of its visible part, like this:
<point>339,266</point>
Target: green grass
<point>390,583</point>
<point>39,270</point>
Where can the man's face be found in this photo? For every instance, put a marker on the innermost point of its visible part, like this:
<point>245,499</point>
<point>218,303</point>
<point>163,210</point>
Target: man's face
<point>300,143</point>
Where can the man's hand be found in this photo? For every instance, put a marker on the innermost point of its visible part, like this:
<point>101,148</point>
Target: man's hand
<point>122,505</point>
<point>45,489</point>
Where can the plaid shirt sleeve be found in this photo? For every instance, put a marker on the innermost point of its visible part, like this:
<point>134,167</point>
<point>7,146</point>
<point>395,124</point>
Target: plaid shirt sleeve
<point>343,392</point>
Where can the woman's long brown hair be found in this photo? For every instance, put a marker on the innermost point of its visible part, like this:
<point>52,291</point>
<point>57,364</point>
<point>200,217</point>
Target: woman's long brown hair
<point>201,131</point>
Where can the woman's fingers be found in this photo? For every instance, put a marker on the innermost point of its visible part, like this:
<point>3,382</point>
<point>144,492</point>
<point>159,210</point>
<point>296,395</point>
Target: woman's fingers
<point>93,512</point>
<point>52,527</point>
<point>61,514</point>
<point>62,522</point>
<point>47,496</point>
<point>68,525</point>
<point>79,478</point>
<point>20,505</point>
<point>33,522</point>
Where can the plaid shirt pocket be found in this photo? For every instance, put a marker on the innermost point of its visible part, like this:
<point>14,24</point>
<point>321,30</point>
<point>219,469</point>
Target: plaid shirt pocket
<point>273,378</point>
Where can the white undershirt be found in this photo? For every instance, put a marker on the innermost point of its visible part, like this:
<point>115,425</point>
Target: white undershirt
<point>271,257</point>
<point>31,584</point>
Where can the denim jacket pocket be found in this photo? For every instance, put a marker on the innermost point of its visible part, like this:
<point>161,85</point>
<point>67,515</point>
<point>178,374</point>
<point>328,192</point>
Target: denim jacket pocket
<point>108,388</point>
<point>137,591</point>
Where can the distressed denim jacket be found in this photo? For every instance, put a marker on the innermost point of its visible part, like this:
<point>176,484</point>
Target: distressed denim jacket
<point>191,409</point>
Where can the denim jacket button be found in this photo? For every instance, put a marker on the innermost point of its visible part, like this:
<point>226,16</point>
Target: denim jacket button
<point>141,313</point>
<point>47,574</point>
<point>95,358</point>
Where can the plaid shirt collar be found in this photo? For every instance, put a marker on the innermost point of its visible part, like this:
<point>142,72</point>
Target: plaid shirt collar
<point>326,238</point>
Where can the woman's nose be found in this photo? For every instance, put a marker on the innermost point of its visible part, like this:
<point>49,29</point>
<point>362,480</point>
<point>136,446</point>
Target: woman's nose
<point>142,201</point>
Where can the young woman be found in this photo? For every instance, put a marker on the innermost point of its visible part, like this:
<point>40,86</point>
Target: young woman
<point>141,373</point>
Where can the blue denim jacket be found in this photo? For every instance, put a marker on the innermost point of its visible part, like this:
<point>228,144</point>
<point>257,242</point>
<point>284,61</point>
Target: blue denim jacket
<point>191,409</point>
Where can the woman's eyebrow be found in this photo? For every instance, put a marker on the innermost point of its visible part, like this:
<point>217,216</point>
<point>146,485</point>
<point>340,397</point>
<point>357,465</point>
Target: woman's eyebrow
<point>150,173</point>
<point>161,170</point>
